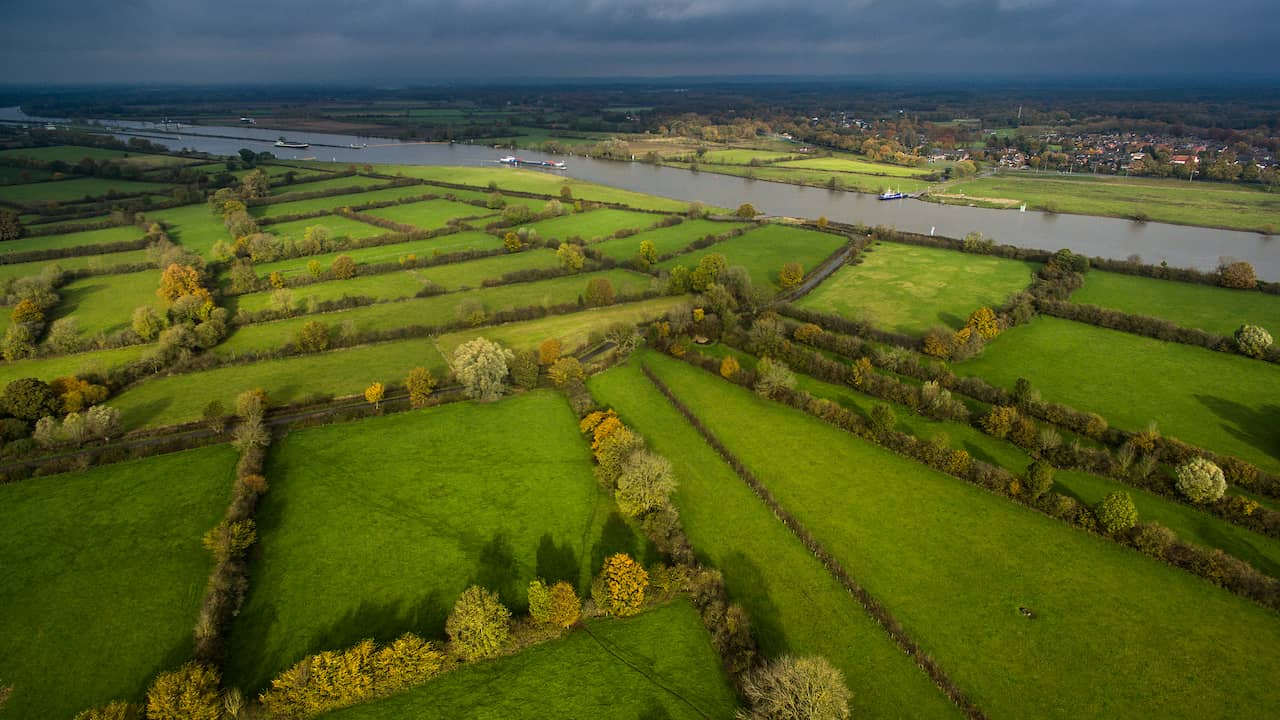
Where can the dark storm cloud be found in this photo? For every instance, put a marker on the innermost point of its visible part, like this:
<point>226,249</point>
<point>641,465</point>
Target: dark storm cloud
<point>398,41</point>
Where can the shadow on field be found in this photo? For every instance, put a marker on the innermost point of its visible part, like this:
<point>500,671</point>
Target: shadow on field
<point>618,537</point>
<point>499,571</point>
<point>654,711</point>
<point>1259,427</point>
<point>557,562</point>
<point>741,572</point>
<point>146,412</point>
<point>383,623</point>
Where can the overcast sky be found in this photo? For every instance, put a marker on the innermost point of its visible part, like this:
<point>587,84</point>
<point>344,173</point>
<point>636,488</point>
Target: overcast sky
<point>426,41</point>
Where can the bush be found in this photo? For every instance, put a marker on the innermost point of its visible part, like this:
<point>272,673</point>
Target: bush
<point>1039,479</point>
<point>564,370</point>
<point>791,275</point>
<point>1253,340</point>
<point>1153,539</point>
<point>524,369</point>
<point>1238,275</point>
<point>481,368</point>
<point>539,601</point>
<point>420,383</point>
<point>983,321</point>
<point>773,377</point>
<point>565,605</point>
<point>599,292</point>
<point>644,484</point>
<point>479,624</point>
<point>1000,420</point>
<point>188,693</point>
<point>1200,480</point>
<point>1116,512</point>
<point>343,268</point>
<point>790,688</point>
<point>118,710</point>
<point>30,399</point>
<point>312,337</point>
<point>620,588</point>
<point>729,367</point>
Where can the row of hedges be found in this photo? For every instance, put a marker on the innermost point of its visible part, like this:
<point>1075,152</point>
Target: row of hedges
<point>1152,539</point>
<point>74,251</point>
<point>894,629</point>
<point>330,192</point>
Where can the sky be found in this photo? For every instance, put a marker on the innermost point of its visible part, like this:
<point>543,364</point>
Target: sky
<point>386,42</point>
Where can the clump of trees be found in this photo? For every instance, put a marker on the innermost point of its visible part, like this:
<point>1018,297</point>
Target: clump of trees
<point>791,688</point>
<point>1237,275</point>
<point>481,367</point>
<point>188,693</point>
<point>619,589</point>
<point>479,624</point>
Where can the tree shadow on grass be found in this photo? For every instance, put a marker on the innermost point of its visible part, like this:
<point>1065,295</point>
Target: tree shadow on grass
<point>499,571</point>
<point>143,414</point>
<point>1259,427</point>
<point>557,562</point>
<point>618,536</point>
<point>955,322</point>
<point>740,571</point>
<point>977,452</point>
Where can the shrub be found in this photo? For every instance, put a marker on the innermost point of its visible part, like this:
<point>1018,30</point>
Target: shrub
<point>612,452</point>
<point>1200,480</point>
<point>313,336</point>
<point>807,333</point>
<point>790,688</point>
<point>549,351</point>
<point>30,399</point>
<point>539,601</point>
<point>599,292</point>
<point>479,624</point>
<point>147,323</point>
<point>644,484</point>
<point>729,367</point>
<point>27,311</point>
<point>343,267</point>
<point>1238,275</point>
<point>571,257</point>
<point>1000,420</point>
<point>746,210</point>
<point>375,393</point>
<point>1253,340</point>
<point>1116,512</point>
<point>481,368</point>
<point>512,242</point>
<point>230,539</point>
<point>882,418</point>
<point>1153,539</point>
<point>939,342</point>
<point>524,369</point>
<point>772,377</point>
<point>622,582</point>
<point>188,693</point>
<point>791,275</point>
<point>1039,479</point>
<point>420,383</point>
<point>117,710</point>
<point>565,605</point>
<point>564,370</point>
<point>983,321</point>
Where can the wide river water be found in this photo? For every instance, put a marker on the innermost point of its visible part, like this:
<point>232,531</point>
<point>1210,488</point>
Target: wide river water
<point>1180,246</point>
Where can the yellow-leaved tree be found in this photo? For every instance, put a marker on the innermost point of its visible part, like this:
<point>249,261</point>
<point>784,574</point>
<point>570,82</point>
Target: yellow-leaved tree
<point>619,590</point>
<point>374,394</point>
<point>188,693</point>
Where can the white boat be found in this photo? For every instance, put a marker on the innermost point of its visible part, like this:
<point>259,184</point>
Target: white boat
<point>282,143</point>
<point>892,195</point>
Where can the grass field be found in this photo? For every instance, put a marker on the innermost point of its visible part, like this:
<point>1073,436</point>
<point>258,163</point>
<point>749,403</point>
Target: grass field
<point>128,257</point>
<point>194,227</point>
<point>532,181</point>
<point>1226,403</point>
<point>336,201</point>
<point>182,398</point>
<point>765,250</point>
<point>861,167</point>
<point>665,240</point>
<point>655,665</point>
<point>103,577</point>
<point>816,178</point>
<point>434,310</point>
<point>593,224</point>
<point>909,289</point>
<point>1190,524</point>
<point>123,233</point>
<point>573,330</point>
<point>75,153</point>
<point>1237,207</point>
<point>11,175</point>
<point>404,283</point>
<point>430,214</point>
<point>454,242</point>
<point>794,604</point>
<point>339,227</point>
<point>76,189</point>
<point>325,579</point>
<point>741,156</point>
<point>1213,309</point>
<point>105,303</point>
<point>346,181</point>
<point>1116,634</point>
<point>51,368</point>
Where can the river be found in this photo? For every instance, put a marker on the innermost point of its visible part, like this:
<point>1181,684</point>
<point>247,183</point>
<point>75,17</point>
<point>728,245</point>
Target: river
<point>1179,246</point>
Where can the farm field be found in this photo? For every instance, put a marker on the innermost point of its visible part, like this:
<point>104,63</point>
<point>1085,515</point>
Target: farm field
<point>124,233</point>
<point>195,227</point>
<point>1210,204</point>
<point>953,563</point>
<point>346,181</point>
<point>434,310</point>
<point>665,240</point>
<point>764,250</point>
<point>171,399</point>
<point>657,664</point>
<point>861,167</point>
<point>795,605</point>
<point>336,201</point>
<point>742,156</point>
<point>532,181</point>
<point>324,578</point>
<point>451,243</point>
<point>573,330</point>
<point>75,153</point>
<point>10,174</point>
<point>430,214</point>
<point>76,189</point>
<point>52,368</point>
<point>593,224</point>
<point>1205,307</point>
<point>815,178</point>
<point>404,283</point>
<point>1190,524</point>
<point>105,303</point>
<point>115,544</point>
<point>128,257</point>
<point>338,226</point>
<point>910,289</point>
<point>1222,402</point>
